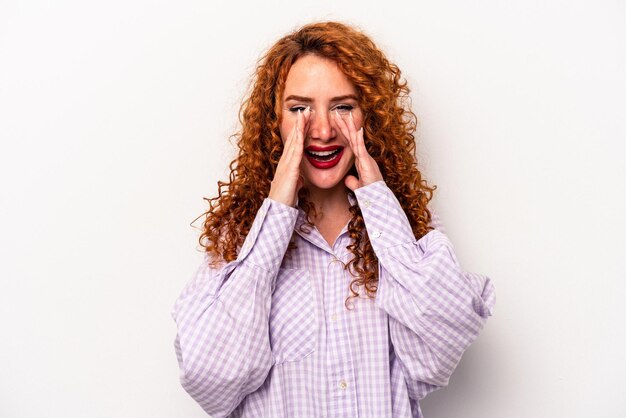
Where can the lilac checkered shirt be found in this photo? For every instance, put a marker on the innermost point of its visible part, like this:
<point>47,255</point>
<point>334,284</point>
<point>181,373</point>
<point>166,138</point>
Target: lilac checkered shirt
<point>268,335</point>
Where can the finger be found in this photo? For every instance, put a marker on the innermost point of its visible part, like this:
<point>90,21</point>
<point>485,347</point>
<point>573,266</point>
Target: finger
<point>351,182</point>
<point>341,124</point>
<point>351,124</point>
<point>289,140</point>
<point>304,121</point>
<point>293,138</point>
<point>355,136</point>
<point>343,127</point>
<point>359,139</point>
<point>307,119</point>
<point>299,138</point>
<point>294,157</point>
<point>360,142</point>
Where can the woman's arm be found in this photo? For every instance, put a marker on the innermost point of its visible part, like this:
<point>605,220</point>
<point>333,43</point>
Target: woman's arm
<point>222,315</point>
<point>435,309</point>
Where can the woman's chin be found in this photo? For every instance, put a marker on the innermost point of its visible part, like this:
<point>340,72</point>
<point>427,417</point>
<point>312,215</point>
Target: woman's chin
<point>325,179</point>
<point>326,184</point>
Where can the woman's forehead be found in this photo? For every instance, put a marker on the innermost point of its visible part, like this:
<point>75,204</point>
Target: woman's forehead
<point>317,78</point>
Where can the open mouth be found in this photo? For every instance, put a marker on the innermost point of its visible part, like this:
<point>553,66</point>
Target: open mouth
<point>323,157</point>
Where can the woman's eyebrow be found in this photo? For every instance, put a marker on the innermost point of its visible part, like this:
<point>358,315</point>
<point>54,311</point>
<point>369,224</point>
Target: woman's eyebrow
<point>309,100</point>
<point>298,98</point>
<point>344,97</point>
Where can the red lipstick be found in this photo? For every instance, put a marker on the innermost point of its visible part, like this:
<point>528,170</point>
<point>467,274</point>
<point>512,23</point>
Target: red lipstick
<point>323,157</point>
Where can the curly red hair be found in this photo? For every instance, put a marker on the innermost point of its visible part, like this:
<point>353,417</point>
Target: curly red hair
<point>389,126</point>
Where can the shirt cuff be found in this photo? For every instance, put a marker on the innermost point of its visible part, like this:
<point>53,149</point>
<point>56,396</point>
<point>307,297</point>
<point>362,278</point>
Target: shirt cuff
<point>386,223</point>
<point>269,236</point>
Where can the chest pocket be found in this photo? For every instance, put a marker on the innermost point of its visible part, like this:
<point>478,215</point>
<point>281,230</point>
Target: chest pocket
<point>292,322</point>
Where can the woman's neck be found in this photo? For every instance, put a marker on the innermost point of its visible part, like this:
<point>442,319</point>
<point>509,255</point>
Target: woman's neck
<point>330,204</point>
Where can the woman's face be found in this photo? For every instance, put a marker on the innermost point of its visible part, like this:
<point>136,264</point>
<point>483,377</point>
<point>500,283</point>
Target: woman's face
<point>318,83</point>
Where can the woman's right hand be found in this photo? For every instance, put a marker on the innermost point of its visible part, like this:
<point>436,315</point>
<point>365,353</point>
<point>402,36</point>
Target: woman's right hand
<point>288,180</point>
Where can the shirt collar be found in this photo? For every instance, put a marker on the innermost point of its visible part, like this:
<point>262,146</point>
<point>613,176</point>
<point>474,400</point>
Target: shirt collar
<point>314,236</point>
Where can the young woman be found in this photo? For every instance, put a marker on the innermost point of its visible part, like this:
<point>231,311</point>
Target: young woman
<point>326,289</point>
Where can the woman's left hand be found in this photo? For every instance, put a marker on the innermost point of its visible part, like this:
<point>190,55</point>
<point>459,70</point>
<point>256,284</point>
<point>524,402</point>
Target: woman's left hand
<point>366,166</point>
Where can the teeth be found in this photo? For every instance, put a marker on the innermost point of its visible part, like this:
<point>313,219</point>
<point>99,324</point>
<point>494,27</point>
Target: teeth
<point>323,153</point>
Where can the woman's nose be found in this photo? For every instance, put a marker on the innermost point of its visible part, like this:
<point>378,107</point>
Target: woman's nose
<point>320,126</point>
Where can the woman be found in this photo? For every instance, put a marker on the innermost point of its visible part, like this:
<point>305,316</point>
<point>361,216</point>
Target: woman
<point>326,288</point>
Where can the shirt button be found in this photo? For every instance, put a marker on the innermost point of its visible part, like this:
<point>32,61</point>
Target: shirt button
<point>334,318</point>
<point>377,234</point>
<point>334,260</point>
<point>367,203</point>
<point>343,385</point>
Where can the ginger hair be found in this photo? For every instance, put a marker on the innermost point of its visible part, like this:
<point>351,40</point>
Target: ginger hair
<point>389,125</point>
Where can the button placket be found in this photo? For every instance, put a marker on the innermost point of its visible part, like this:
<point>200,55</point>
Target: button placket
<point>335,260</point>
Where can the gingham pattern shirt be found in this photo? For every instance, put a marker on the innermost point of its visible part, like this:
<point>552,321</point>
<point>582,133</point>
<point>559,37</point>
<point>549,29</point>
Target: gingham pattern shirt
<point>268,335</point>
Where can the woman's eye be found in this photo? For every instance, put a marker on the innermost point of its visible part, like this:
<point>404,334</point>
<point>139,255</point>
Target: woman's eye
<point>298,108</point>
<point>344,108</point>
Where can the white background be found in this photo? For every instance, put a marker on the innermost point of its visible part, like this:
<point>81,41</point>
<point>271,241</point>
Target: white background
<point>114,121</point>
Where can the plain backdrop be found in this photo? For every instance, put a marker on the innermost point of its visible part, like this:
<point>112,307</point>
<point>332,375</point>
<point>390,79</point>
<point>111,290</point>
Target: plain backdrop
<point>115,118</point>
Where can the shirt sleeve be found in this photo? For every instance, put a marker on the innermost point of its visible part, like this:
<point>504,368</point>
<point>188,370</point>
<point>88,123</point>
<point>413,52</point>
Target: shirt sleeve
<point>222,316</point>
<point>435,222</point>
<point>435,309</point>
